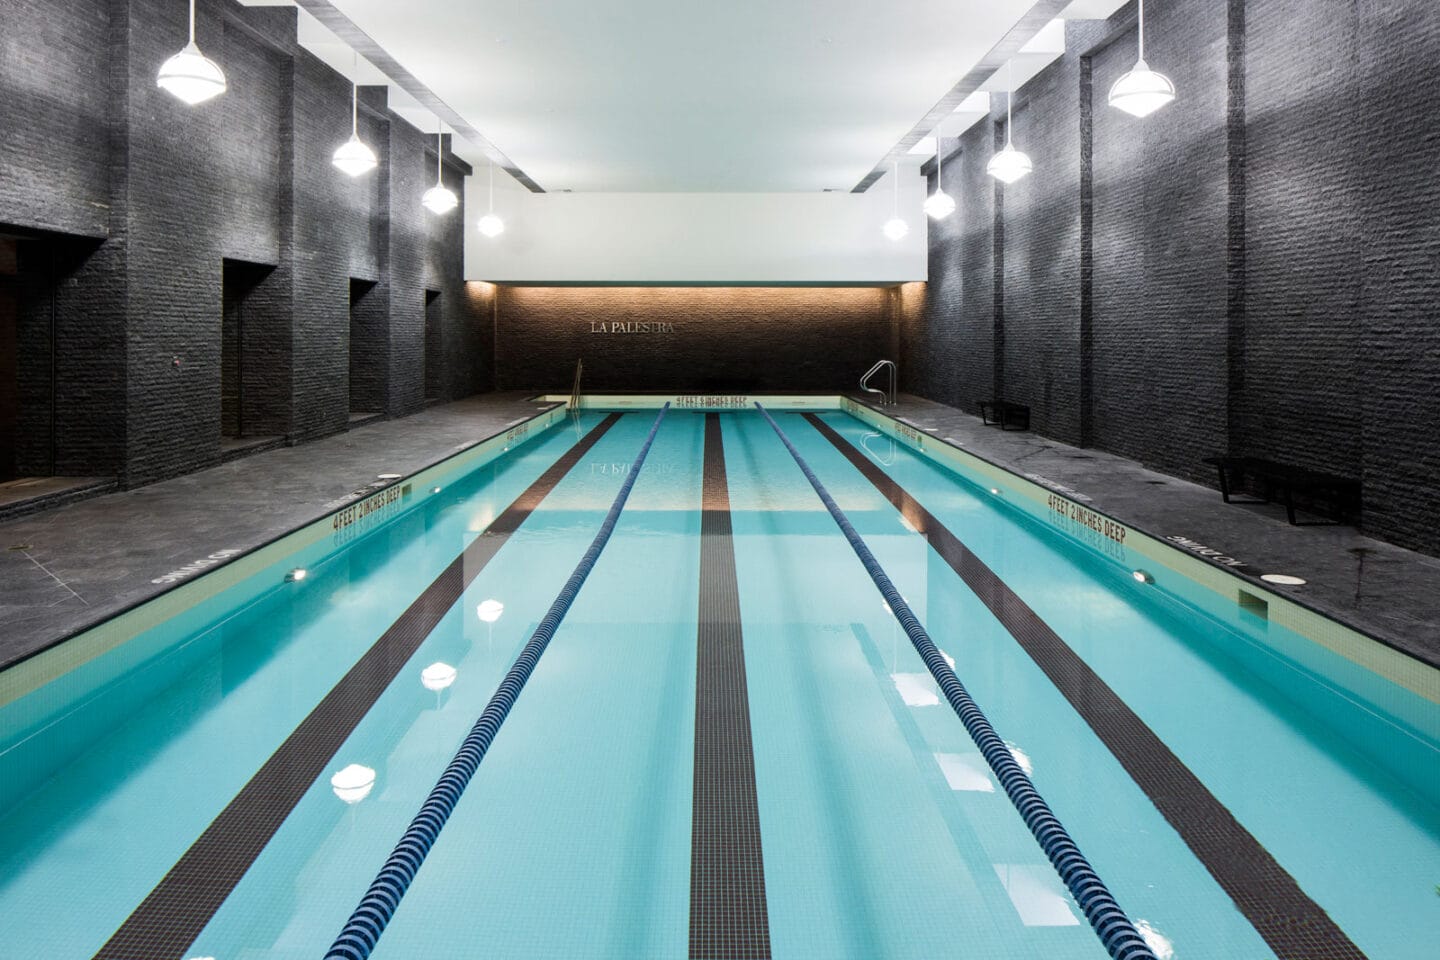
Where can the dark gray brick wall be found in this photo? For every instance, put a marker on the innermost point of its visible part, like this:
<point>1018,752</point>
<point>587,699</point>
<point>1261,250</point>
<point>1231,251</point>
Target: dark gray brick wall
<point>725,338</point>
<point>1258,262</point>
<point>93,148</point>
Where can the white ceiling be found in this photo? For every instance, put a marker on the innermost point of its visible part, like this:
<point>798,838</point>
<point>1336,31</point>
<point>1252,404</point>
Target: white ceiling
<point>685,95</point>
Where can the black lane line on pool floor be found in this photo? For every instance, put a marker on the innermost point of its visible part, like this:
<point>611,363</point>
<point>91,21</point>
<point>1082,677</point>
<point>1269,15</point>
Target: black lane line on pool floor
<point>1294,926</point>
<point>167,922</point>
<point>728,916</point>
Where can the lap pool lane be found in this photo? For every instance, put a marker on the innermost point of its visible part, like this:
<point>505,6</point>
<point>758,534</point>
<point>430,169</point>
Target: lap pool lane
<point>152,758</point>
<point>869,849</point>
<point>1307,772</point>
<point>573,837</point>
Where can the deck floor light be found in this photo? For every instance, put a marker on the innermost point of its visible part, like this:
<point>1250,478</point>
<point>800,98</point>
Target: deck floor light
<point>1141,91</point>
<point>491,225</point>
<point>354,157</point>
<point>895,228</point>
<point>440,199</point>
<point>1009,165</point>
<point>189,75</point>
<point>939,204</point>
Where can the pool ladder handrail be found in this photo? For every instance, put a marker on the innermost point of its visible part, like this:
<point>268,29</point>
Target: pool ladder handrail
<point>886,399</point>
<point>575,390</point>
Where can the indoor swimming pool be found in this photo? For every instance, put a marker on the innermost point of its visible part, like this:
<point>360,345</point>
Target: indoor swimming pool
<point>730,747</point>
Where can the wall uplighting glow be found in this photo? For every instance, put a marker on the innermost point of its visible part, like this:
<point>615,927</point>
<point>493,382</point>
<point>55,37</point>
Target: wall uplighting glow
<point>1009,165</point>
<point>190,75</point>
<point>1142,91</point>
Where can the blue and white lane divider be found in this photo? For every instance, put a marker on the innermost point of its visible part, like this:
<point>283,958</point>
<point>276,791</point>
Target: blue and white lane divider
<point>1110,923</point>
<point>362,931</point>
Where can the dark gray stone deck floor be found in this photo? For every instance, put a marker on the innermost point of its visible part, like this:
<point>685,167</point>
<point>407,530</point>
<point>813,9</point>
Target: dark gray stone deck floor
<point>70,567</point>
<point>1388,592</point>
<point>67,568</point>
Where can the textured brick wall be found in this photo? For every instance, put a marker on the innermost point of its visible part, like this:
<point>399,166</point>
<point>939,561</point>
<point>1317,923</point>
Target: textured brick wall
<point>745,338</point>
<point>93,148</point>
<point>1253,268</point>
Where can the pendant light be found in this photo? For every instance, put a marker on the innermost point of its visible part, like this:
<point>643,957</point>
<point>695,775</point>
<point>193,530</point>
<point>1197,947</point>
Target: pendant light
<point>939,204</point>
<point>1009,164</point>
<point>895,228</point>
<point>353,156</point>
<point>1142,91</point>
<point>190,75</point>
<point>490,224</point>
<point>440,199</point>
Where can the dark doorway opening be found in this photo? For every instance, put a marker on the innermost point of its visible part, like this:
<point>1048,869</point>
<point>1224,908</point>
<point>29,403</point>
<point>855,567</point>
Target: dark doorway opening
<point>55,419</point>
<point>9,355</point>
<point>434,347</point>
<point>239,349</point>
<point>367,353</point>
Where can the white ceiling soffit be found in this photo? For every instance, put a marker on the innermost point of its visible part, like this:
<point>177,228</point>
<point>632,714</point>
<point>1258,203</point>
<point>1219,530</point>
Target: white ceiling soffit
<point>683,95</point>
<point>689,95</point>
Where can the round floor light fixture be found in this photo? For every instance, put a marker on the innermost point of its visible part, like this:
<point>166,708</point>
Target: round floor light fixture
<point>895,228</point>
<point>491,225</point>
<point>1141,91</point>
<point>354,157</point>
<point>440,199</point>
<point>190,76</point>
<point>1009,165</point>
<point>939,204</point>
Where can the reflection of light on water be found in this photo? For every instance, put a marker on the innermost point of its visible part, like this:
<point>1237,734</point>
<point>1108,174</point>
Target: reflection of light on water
<point>1022,758</point>
<point>1155,940</point>
<point>354,783</point>
<point>948,659</point>
<point>438,676</point>
<point>490,610</point>
<point>965,771</point>
<point>916,689</point>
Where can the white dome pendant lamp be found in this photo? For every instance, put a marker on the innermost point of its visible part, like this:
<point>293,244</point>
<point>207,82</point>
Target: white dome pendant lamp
<point>491,225</point>
<point>895,229</point>
<point>189,75</point>
<point>1009,165</point>
<point>353,157</point>
<point>939,204</point>
<point>440,199</point>
<point>1142,91</point>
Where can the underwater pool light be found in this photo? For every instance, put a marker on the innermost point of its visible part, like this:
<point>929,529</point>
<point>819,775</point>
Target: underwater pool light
<point>296,575</point>
<point>1142,576</point>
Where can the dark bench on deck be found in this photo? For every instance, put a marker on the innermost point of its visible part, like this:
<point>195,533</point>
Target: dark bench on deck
<point>1281,482</point>
<point>1007,415</point>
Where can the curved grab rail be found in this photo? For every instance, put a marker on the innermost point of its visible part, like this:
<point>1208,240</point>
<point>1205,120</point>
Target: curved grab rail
<point>1119,936</point>
<point>888,399</point>
<point>362,931</point>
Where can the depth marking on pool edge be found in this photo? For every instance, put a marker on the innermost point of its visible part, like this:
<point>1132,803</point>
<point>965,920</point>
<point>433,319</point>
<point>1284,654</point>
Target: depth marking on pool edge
<point>170,918</point>
<point>1294,926</point>
<point>728,915</point>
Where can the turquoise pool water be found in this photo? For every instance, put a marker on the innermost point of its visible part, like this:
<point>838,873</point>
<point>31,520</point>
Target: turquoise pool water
<point>883,833</point>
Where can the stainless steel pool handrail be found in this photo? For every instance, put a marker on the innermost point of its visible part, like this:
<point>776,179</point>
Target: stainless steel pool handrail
<point>886,399</point>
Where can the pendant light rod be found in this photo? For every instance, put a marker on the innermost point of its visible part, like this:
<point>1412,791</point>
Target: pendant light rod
<point>439,150</point>
<point>939,156</point>
<point>354,92</point>
<point>192,21</point>
<point>895,191</point>
<point>491,207</point>
<point>1142,29</point>
<point>1009,97</point>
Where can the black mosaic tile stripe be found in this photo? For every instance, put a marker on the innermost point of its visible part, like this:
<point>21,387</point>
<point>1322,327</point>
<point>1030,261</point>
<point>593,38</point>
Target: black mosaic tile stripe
<point>170,918</point>
<point>728,916</point>
<point>1294,926</point>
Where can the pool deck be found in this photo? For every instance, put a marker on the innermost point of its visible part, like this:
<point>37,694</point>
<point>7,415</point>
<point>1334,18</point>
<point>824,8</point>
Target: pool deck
<point>69,567</point>
<point>1380,589</point>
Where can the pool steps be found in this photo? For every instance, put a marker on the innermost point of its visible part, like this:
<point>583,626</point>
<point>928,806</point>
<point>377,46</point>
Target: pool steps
<point>1120,937</point>
<point>362,931</point>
